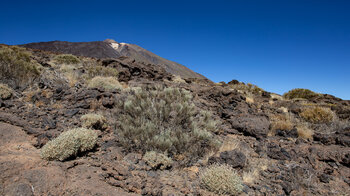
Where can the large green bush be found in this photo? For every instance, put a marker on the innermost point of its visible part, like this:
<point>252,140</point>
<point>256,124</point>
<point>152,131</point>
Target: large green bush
<point>69,144</point>
<point>165,120</point>
<point>221,179</point>
<point>300,93</point>
<point>16,66</point>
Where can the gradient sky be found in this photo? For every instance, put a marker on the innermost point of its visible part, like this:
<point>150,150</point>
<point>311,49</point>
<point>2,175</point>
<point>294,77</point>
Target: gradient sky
<point>277,45</point>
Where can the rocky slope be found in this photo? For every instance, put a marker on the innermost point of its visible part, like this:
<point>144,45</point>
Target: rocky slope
<point>272,157</point>
<point>112,49</point>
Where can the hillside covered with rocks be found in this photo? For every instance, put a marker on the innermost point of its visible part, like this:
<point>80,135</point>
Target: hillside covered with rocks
<point>72,125</point>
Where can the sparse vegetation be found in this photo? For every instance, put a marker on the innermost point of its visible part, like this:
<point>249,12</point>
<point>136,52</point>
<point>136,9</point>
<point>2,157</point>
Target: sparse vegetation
<point>317,115</point>
<point>94,121</point>
<point>16,66</point>
<point>5,91</point>
<point>300,93</point>
<point>281,122</point>
<point>221,179</point>
<point>245,88</point>
<point>107,83</point>
<point>66,59</point>
<point>165,120</point>
<point>304,132</point>
<point>98,70</point>
<point>69,144</point>
<point>157,160</point>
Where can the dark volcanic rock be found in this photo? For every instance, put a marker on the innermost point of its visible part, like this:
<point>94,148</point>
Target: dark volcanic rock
<point>249,125</point>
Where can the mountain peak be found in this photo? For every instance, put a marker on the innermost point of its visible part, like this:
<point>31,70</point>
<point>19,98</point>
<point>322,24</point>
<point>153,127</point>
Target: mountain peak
<point>110,41</point>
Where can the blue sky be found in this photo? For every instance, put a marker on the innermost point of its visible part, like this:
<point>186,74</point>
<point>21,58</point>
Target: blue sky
<point>277,45</point>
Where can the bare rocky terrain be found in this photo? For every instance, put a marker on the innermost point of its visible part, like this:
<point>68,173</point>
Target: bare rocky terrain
<point>265,137</point>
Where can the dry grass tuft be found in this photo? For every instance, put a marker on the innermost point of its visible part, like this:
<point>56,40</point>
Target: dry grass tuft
<point>69,144</point>
<point>317,115</point>
<point>107,83</point>
<point>281,122</point>
<point>221,179</point>
<point>304,132</point>
<point>66,59</point>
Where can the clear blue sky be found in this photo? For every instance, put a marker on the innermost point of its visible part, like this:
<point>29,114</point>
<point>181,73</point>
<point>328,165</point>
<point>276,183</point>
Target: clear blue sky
<point>278,45</point>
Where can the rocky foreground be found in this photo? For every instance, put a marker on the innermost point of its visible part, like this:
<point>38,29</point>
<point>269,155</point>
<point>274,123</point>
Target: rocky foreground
<point>272,143</point>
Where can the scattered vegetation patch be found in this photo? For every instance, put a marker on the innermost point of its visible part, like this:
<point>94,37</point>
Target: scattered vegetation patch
<point>304,132</point>
<point>16,66</point>
<point>300,93</point>
<point>107,83</point>
<point>317,115</point>
<point>157,160</point>
<point>94,121</point>
<point>5,91</point>
<point>221,179</point>
<point>98,70</point>
<point>69,144</point>
<point>281,122</point>
<point>66,59</point>
<point>241,86</point>
<point>165,120</point>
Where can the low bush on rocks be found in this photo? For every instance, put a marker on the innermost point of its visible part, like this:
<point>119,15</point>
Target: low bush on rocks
<point>281,122</point>
<point>94,121</point>
<point>66,59</point>
<point>300,93</point>
<point>98,70</point>
<point>317,115</point>
<point>246,88</point>
<point>69,144</point>
<point>107,83</point>
<point>165,120</point>
<point>16,66</point>
<point>5,91</point>
<point>221,179</point>
<point>157,160</point>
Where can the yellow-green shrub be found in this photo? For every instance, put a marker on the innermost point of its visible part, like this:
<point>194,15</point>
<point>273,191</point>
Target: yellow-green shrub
<point>94,121</point>
<point>66,59</point>
<point>98,70</point>
<point>221,179</point>
<point>69,144</point>
<point>317,115</point>
<point>247,88</point>
<point>157,160</point>
<point>5,91</point>
<point>107,83</point>
<point>16,67</point>
<point>165,120</point>
<point>300,93</point>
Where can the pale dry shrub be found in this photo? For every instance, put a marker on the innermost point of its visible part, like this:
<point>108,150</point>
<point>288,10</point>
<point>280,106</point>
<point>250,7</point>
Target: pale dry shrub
<point>317,115</point>
<point>5,91</point>
<point>157,160</point>
<point>69,144</point>
<point>107,83</point>
<point>281,122</point>
<point>221,179</point>
<point>304,132</point>
<point>94,121</point>
<point>165,120</point>
<point>246,88</point>
<point>16,66</point>
<point>178,79</point>
<point>66,59</point>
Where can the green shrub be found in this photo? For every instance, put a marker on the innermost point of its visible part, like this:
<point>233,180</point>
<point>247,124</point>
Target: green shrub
<point>94,121</point>
<point>317,115</point>
<point>300,93</point>
<point>165,120</point>
<point>157,160</point>
<point>108,83</point>
<point>5,91</point>
<point>69,144</point>
<point>221,179</point>
<point>66,59</point>
<point>16,67</point>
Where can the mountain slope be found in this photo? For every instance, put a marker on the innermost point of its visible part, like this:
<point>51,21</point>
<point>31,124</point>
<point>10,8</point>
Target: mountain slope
<point>112,49</point>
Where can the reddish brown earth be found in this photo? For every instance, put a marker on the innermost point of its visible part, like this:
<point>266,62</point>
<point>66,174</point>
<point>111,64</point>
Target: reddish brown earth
<point>280,164</point>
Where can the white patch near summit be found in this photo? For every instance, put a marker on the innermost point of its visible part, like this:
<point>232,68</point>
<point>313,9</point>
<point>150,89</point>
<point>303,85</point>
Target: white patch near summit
<point>115,45</point>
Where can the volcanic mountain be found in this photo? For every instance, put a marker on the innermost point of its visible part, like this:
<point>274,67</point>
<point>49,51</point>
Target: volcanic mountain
<point>112,49</point>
